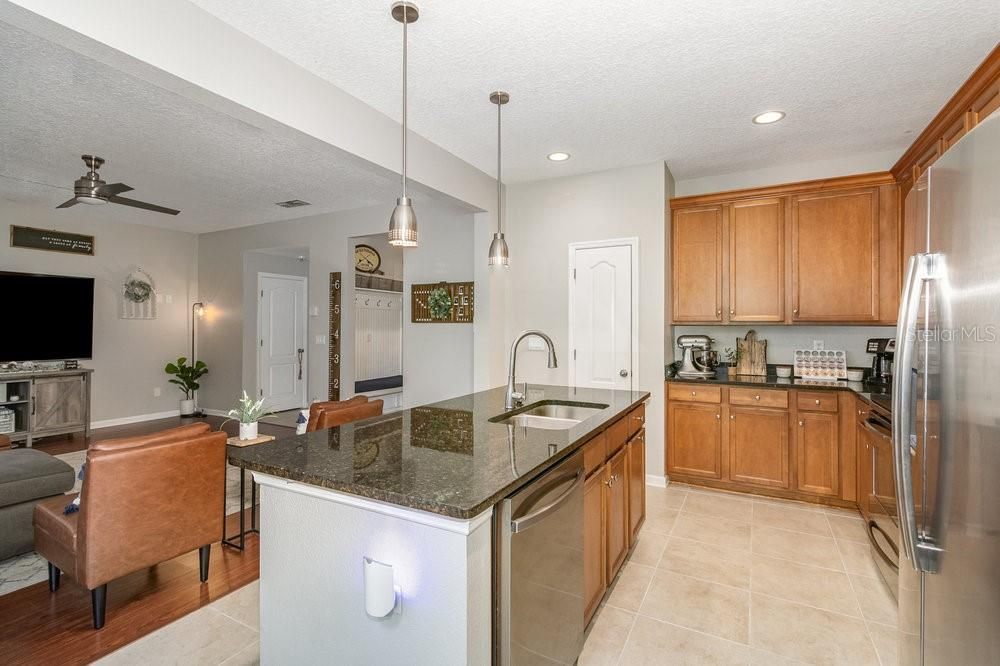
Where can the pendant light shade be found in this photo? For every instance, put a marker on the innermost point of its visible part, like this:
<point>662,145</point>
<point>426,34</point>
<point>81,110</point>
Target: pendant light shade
<point>499,253</point>
<point>403,221</point>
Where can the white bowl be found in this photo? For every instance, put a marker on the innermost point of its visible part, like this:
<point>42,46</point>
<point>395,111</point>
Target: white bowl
<point>783,371</point>
<point>855,375</point>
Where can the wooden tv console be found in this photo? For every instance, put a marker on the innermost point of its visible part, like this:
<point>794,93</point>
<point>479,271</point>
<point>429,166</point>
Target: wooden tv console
<point>49,402</point>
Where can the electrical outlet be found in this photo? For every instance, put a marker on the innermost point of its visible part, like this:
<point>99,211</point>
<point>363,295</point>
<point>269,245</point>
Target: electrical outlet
<point>535,343</point>
<point>321,339</point>
<point>818,345</point>
<point>156,391</point>
<point>168,298</point>
<point>314,311</point>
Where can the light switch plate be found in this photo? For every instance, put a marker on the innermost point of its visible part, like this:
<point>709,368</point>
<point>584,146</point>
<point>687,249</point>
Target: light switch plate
<point>321,339</point>
<point>314,311</point>
<point>818,345</point>
<point>535,343</point>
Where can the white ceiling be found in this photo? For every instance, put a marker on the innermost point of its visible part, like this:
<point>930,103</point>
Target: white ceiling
<point>621,83</point>
<point>220,172</point>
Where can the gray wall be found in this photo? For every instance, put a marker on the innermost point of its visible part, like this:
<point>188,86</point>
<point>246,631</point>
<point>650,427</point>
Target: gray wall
<point>543,218</point>
<point>437,359</point>
<point>129,355</point>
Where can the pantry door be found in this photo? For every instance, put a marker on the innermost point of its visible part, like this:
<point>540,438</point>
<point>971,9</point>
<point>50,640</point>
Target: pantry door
<point>603,314</point>
<point>281,321</point>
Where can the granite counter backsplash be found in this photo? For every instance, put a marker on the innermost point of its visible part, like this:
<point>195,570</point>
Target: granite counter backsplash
<point>446,458</point>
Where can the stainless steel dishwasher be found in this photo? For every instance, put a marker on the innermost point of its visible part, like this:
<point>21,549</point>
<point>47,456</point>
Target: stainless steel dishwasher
<point>538,569</point>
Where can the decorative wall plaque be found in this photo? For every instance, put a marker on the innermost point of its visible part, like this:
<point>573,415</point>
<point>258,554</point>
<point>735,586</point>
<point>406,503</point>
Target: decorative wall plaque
<point>51,240</point>
<point>424,296</point>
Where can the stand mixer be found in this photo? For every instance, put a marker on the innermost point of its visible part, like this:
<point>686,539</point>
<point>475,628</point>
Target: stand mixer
<point>699,361</point>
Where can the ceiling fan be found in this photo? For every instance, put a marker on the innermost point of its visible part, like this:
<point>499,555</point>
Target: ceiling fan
<point>90,189</point>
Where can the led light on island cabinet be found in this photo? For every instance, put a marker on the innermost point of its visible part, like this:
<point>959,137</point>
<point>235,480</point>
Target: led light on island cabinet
<point>382,595</point>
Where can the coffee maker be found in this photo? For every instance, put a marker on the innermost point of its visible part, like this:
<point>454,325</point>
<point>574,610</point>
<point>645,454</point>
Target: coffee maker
<point>698,361</point>
<point>884,350</point>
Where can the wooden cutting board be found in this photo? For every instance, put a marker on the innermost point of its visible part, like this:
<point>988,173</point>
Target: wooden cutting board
<point>753,355</point>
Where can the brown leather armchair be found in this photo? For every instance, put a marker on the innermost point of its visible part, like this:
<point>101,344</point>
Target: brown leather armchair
<point>336,417</point>
<point>145,500</point>
<point>318,408</point>
<point>4,442</point>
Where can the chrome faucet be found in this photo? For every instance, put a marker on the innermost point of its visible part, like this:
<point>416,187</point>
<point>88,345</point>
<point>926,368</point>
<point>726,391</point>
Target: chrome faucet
<point>513,398</point>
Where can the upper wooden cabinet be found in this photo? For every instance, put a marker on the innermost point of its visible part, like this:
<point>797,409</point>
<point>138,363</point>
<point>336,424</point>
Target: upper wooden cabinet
<point>757,260</point>
<point>835,256</point>
<point>696,251</point>
<point>816,251</point>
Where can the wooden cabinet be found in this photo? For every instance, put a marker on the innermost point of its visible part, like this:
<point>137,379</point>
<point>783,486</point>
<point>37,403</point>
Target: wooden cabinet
<point>758,446</point>
<point>59,404</point>
<point>696,260</point>
<point>695,439</point>
<point>636,471</point>
<point>757,260</point>
<point>614,503</point>
<point>616,536</point>
<point>594,581</point>
<point>835,256</point>
<point>816,251</point>
<point>817,453</point>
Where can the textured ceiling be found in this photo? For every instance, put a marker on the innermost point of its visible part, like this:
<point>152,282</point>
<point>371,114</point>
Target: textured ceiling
<point>620,83</point>
<point>220,172</point>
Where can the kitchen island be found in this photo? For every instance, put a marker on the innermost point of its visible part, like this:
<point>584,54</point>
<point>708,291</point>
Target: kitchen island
<point>414,489</point>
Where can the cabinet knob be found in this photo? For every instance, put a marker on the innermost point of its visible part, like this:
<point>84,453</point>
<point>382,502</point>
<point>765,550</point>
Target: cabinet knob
<point>732,311</point>
<point>817,401</point>
<point>732,417</point>
<point>694,393</point>
<point>718,417</point>
<point>718,312</point>
<point>801,423</point>
<point>795,311</point>
<point>756,397</point>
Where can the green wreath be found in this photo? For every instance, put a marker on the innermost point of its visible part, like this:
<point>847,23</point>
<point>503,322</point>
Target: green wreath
<point>439,303</point>
<point>138,291</point>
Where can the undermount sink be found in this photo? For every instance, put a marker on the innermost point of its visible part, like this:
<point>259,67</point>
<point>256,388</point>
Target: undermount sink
<point>550,415</point>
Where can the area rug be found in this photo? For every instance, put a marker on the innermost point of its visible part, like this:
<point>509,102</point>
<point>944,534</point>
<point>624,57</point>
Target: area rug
<point>30,568</point>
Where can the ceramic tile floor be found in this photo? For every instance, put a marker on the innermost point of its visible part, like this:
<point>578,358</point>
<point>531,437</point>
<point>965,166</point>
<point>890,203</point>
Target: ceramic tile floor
<point>715,578</point>
<point>722,578</point>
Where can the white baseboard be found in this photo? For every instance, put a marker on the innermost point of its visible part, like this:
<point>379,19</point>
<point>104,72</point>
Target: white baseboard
<point>656,480</point>
<point>125,420</point>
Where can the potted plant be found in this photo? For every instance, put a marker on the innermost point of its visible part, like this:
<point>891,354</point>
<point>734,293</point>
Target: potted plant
<point>186,377</point>
<point>248,412</point>
<point>732,358</point>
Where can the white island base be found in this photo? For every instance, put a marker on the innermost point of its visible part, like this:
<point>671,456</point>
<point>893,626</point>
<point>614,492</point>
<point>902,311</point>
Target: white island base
<point>313,542</point>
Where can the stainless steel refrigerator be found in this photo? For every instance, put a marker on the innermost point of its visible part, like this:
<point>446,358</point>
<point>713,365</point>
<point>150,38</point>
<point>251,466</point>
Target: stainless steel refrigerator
<point>946,411</point>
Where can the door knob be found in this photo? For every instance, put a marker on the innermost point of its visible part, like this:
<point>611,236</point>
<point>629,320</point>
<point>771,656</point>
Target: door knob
<point>623,373</point>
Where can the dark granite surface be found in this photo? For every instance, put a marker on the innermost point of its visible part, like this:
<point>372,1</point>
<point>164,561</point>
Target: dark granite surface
<point>862,389</point>
<point>446,457</point>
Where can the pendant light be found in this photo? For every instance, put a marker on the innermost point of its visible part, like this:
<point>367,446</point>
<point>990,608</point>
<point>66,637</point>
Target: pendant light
<point>499,254</point>
<point>403,222</point>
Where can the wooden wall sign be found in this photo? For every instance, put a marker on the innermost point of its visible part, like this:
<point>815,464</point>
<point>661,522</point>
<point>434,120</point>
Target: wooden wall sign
<point>463,303</point>
<point>336,286</point>
<point>51,240</point>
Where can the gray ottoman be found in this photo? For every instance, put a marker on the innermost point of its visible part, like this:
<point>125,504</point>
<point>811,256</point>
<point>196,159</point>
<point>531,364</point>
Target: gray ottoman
<point>27,476</point>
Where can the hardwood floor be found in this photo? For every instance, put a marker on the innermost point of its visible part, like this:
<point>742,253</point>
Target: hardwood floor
<point>39,627</point>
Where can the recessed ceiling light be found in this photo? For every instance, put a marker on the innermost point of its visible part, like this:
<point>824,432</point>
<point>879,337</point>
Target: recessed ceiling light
<point>558,157</point>
<point>768,117</point>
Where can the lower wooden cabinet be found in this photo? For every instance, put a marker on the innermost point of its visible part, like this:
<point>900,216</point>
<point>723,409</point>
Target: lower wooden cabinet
<point>616,532</point>
<point>594,582</point>
<point>614,507</point>
<point>695,438</point>
<point>636,467</point>
<point>817,452</point>
<point>758,446</point>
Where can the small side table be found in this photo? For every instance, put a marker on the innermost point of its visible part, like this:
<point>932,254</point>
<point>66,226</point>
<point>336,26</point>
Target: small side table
<point>238,541</point>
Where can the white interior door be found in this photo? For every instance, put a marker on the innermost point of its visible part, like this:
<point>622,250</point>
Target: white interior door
<point>281,363</point>
<point>603,334</point>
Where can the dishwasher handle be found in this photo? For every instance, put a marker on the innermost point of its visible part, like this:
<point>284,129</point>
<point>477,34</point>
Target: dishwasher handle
<point>524,522</point>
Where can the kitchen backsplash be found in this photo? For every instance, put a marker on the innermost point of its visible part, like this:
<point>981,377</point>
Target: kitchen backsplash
<point>782,341</point>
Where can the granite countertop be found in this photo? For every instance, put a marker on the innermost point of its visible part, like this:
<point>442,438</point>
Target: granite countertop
<point>862,389</point>
<point>445,458</point>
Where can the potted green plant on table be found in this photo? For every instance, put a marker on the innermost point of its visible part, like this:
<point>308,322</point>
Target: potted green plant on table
<point>248,412</point>
<point>186,377</point>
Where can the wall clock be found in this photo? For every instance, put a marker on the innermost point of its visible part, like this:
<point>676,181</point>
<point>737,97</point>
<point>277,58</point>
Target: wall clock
<point>366,259</point>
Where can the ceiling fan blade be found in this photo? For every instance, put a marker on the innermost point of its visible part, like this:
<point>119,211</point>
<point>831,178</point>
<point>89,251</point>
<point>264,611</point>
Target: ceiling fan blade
<point>112,189</point>
<point>67,204</point>
<point>143,205</point>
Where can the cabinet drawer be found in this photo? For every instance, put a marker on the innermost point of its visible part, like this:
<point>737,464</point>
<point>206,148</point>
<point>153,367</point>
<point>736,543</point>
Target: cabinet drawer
<point>695,393</point>
<point>615,436</point>
<point>758,397</point>
<point>593,454</point>
<point>636,420</point>
<point>816,401</point>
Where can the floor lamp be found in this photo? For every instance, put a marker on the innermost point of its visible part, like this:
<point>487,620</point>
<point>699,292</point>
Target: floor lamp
<point>197,312</point>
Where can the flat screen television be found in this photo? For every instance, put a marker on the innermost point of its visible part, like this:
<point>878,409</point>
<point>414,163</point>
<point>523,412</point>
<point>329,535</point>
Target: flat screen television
<point>46,317</point>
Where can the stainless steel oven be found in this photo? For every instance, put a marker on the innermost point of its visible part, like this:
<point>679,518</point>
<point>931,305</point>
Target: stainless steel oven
<point>538,569</point>
<point>883,528</point>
